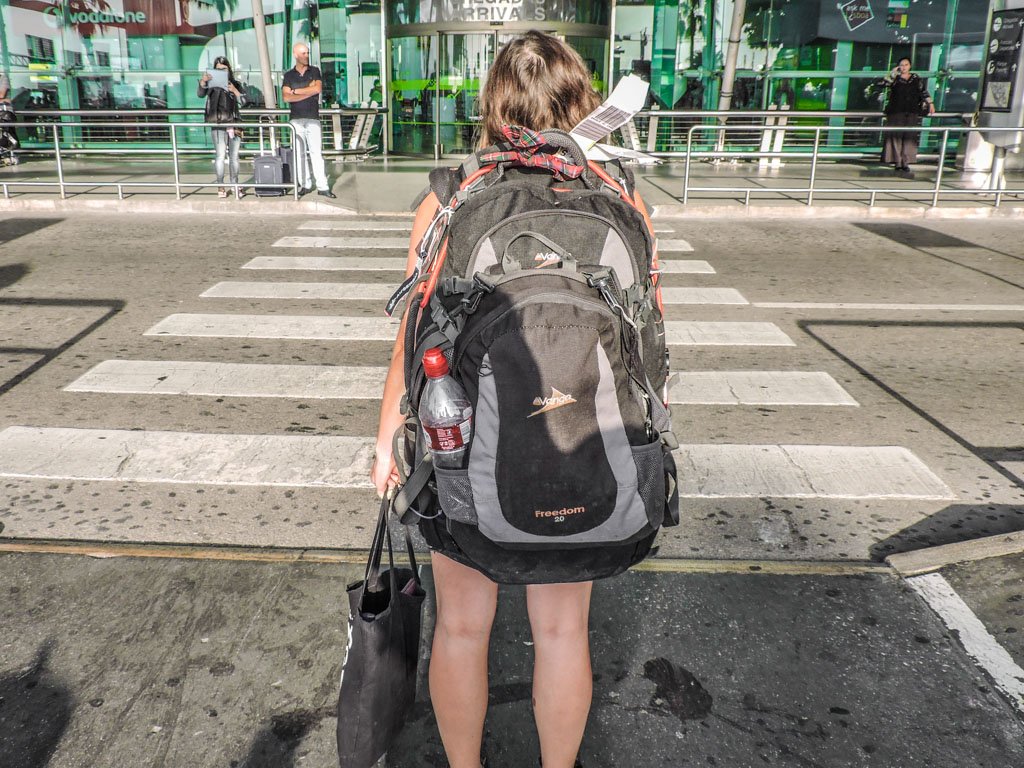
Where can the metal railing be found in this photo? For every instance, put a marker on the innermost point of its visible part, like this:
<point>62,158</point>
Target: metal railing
<point>663,133</point>
<point>62,183</point>
<point>130,132</point>
<point>934,191</point>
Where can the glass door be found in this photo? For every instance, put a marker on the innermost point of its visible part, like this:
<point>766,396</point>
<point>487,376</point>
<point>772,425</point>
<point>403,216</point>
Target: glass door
<point>465,59</point>
<point>412,93</point>
<point>435,85</point>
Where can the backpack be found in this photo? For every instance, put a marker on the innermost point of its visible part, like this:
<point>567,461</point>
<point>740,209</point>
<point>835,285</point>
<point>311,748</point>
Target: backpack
<point>538,279</point>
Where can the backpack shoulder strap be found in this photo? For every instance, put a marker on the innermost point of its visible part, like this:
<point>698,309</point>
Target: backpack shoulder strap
<point>444,182</point>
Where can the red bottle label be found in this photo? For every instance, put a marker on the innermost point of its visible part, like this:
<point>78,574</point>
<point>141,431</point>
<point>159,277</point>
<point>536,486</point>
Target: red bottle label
<point>448,438</point>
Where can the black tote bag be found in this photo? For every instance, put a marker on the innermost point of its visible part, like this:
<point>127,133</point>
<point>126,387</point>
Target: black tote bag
<point>378,678</point>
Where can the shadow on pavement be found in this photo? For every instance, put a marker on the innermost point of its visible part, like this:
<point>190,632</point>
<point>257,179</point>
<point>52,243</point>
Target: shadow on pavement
<point>952,525</point>
<point>12,229</point>
<point>35,709</point>
<point>277,744</point>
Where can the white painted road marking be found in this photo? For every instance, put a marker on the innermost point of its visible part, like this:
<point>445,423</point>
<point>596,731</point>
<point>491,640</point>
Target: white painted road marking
<point>185,457</point>
<point>345,291</point>
<point>362,225</point>
<point>893,307</point>
<point>757,388</point>
<point>171,377</point>
<point>389,263</point>
<point>328,263</point>
<point>702,333</point>
<point>972,634</point>
<point>331,327</point>
<point>702,296</point>
<point>160,377</point>
<point>683,266</point>
<point>666,246</point>
<point>334,291</point>
<point>326,327</point>
<point>706,471</point>
<point>400,243</point>
<point>796,471</point>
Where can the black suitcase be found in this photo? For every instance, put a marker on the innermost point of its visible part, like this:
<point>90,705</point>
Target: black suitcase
<point>285,153</point>
<point>268,169</point>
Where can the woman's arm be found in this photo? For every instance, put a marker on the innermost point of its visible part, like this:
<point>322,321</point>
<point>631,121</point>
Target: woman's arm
<point>384,473</point>
<point>925,96</point>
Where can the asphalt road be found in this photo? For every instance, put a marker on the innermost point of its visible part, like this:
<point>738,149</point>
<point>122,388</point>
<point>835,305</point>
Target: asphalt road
<point>885,414</point>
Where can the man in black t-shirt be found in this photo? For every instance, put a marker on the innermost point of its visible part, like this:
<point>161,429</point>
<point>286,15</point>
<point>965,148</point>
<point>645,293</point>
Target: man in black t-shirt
<point>302,85</point>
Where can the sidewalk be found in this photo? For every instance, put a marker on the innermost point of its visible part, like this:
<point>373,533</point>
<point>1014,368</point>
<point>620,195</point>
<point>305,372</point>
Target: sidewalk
<point>389,187</point>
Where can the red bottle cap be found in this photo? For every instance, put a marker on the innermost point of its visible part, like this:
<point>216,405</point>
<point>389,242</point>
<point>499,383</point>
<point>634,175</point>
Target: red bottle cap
<point>435,364</point>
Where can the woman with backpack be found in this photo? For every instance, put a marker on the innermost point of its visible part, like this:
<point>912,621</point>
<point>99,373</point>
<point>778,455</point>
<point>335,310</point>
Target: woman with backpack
<point>906,103</point>
<point>222,105</point>
<point>536,82</point>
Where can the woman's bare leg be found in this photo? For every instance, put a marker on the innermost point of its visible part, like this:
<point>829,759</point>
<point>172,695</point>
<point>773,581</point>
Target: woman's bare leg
<point>562,679</point>
<point>466,602</point>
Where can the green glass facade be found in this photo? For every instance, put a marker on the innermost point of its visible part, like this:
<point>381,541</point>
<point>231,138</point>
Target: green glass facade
<point>425,59</point>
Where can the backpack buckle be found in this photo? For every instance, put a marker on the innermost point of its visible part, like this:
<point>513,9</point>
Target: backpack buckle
<point>471,300</point>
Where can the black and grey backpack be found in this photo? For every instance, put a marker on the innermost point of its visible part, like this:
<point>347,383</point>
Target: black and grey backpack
<point>538,278</point>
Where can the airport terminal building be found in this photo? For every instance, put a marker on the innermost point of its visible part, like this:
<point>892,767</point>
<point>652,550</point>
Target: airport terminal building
<point>425,60</point>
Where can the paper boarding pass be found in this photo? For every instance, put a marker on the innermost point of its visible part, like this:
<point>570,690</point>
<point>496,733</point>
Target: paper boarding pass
<point>625,101</point>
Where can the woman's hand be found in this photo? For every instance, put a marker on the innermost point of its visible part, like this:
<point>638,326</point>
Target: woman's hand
<point>234,90</point>
<point>931,107</point>
<point>384,473</point>
<point>205,78</point>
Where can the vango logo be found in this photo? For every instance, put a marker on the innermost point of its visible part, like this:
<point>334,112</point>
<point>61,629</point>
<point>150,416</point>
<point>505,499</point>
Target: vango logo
<point>545,404</point>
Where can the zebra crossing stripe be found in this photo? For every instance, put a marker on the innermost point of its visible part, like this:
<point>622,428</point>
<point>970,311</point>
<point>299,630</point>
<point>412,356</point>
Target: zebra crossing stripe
<point>705,471</point>
<point>334,328</point>
<point>163,377</point>
<point>672,245</point>
<point>328,263</point>
<point>387,263</point>
<point>799,471</point>
<point>333,291</point>
<point>702,296</point>
<point>186,457</point>
<point>362,225</point>
<point>685,267</point>
<point>707,333</point>
<point>382,291</point>
<point>362,243</point>
<point>172,377</point>
<point>321,327</point>
<point>757,388</point>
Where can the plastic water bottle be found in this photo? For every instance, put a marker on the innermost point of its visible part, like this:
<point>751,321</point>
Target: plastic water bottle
<point>446,415</point>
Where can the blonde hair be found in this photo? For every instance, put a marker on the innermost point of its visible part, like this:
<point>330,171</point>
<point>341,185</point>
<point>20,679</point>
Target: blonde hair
<point>538,82</point>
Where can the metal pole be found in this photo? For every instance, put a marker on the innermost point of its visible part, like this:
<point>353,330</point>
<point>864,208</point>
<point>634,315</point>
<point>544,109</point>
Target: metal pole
<point>938,171</point>
<point>299,150</point>
<point>686,167</point>
<point>259,24</point>
<point>739,8</point>
<point>814,164</point>
<point>60,165</point>
<point>174,155</point>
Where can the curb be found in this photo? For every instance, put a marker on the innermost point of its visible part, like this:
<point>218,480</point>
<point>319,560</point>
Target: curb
<point>936,558</point>
<point>246,207</point>
<point>289,207</point>
<point>825,211</point>
<point>239,553</point>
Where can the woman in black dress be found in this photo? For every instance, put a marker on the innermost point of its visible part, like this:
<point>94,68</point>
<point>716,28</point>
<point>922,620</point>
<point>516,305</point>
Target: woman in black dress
<point>906,103</point>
